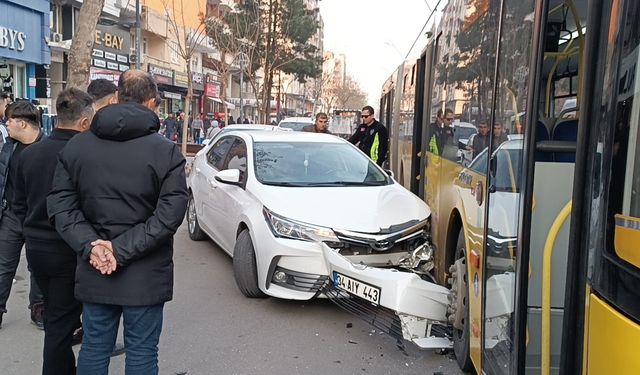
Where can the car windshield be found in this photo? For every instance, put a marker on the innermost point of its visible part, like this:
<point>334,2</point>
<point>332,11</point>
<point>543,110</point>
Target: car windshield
<point>295,126</point>
<point>462,132</point>
<point>315,164</point>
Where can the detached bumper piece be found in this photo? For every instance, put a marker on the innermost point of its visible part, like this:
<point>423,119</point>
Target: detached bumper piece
<point>396,302</point>
<point>303,282</point>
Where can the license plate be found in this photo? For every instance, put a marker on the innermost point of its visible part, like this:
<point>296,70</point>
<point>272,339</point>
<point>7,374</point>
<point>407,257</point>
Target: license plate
<point>357,287</point>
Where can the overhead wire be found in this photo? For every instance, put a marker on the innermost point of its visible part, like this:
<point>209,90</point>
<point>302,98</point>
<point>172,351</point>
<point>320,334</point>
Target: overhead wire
<point>435,9</point>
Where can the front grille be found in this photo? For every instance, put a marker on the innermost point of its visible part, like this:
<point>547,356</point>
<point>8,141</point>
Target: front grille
<point>304,282</point>
<point>380,317</point>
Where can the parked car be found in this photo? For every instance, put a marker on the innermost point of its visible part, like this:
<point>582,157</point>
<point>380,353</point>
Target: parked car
<point>241,127</point>
<point>296,123</point>
<point>274,200</point>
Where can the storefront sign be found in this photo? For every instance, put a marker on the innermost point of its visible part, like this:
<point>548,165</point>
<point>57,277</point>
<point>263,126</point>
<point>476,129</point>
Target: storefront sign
<point>109,40</point>
<point>110,75</point>
<point>161,75</point>
<point>197,80</point>
<point>181,79</point>
<point>12,39</point>
<point>212,89</point>
<point>110,48</point>
<point>23,28</point>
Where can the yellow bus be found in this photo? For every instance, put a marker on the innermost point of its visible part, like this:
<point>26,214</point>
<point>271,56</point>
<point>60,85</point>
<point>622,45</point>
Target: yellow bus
<point>538,237</point>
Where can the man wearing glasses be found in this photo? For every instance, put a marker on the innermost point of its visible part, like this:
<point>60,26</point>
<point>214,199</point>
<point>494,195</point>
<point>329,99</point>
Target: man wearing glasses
<point>371,137</point>
<point>440,132</point>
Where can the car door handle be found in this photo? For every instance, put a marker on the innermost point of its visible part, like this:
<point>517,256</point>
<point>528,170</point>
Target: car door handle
<point>197,170</point>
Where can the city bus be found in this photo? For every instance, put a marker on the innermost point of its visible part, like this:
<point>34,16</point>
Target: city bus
<point>538,236</point>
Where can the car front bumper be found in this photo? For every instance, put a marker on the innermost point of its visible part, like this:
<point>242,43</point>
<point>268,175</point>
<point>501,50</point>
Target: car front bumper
<point>408,306</point>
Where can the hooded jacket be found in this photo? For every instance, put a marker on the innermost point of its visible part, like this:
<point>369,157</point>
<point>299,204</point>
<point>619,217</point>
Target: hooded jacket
<point>121,181</point>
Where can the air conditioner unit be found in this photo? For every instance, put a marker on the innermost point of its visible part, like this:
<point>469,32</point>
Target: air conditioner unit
<point>56,37</point>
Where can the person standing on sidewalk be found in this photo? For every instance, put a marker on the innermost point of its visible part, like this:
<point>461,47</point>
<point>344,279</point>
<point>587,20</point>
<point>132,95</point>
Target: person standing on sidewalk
<point>24,129</point>
<point>52,261</point>
<point>118,196</point>
<point>104,93</point>
<point>197,125</point>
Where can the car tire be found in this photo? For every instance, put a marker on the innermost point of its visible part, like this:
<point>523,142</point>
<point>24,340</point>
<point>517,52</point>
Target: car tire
<point>195,232</point>
<point>461,338</point>
<point>245,270</point>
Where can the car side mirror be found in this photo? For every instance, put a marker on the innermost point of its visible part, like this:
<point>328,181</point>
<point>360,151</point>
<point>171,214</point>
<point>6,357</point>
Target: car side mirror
<point>229,176</point>
<point>205,142</point>
<point>389,172</point>
<point>462,145</point>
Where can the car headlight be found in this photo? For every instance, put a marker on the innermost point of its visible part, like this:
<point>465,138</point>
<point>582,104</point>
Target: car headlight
<point>287,228</point>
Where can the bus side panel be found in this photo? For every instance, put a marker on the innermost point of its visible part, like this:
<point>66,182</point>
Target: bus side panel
<point>612,343</point>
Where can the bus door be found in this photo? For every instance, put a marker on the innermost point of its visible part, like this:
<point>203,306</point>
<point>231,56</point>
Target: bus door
<point>609,235</point>
<point>505,180</point>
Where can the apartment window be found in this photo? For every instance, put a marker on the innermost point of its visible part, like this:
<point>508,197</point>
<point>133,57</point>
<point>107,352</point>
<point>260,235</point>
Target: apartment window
<point>144,46</point>
<point>174,52</point>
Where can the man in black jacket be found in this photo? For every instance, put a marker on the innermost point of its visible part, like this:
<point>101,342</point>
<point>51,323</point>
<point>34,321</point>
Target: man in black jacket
<point>371,137</point>
<point>119,194</point>
<point>24,129</point>
<point>52,261</point>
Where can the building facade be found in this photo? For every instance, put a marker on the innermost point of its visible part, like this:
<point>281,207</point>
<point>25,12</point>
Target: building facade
<point>24,53</point>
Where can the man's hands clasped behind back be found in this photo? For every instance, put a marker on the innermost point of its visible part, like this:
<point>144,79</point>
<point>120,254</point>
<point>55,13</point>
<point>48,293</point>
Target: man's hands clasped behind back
<point>102,257</point>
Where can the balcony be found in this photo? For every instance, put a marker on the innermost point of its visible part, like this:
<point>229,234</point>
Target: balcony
<point>154,22</point>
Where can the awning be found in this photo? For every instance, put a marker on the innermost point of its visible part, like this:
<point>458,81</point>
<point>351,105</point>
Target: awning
<point>230,105</point>
<point>215,99</point>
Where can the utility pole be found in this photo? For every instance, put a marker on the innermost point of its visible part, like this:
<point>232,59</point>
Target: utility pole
<point>138,41</point>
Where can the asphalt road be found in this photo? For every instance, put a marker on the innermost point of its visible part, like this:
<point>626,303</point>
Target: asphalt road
<point>210,328</point>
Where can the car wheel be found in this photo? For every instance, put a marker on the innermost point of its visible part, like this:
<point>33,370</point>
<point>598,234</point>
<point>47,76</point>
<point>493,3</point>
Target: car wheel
<point>195,232</point>
<point>460,305</point>
<point>245,270</point>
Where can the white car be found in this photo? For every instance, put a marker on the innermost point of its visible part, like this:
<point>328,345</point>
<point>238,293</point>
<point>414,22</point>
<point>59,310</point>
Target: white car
<point>296,123</point>
<point>243,127</point>
<point>276,201</point>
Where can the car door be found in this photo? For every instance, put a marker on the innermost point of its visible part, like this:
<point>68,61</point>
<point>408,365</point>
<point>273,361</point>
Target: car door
<point>208,186</point>
<point>233,199</point>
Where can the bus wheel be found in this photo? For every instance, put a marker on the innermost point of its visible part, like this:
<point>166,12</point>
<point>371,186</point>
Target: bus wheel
<point>459,305</point>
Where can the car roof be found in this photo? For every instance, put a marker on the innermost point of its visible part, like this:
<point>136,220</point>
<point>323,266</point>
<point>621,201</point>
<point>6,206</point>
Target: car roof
<point>285,136</point>
<point>251,126</point>
<point>464,125</point>
<point>297,119</point>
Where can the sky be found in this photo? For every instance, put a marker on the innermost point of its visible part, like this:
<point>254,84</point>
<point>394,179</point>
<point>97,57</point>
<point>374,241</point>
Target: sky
<point>374,35</point>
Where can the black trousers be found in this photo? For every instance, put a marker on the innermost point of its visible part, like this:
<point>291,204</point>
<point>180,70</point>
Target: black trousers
<point>11,241</point>
<point>54,267</point>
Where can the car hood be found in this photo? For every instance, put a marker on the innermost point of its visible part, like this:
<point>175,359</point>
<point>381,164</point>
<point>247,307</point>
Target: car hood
<point>361,209</point>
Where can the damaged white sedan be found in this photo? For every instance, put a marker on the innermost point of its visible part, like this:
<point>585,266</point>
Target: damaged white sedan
<point>305,214</point>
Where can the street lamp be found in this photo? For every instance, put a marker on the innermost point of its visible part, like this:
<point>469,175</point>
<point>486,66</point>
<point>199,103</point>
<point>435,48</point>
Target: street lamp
<point>242,60</point>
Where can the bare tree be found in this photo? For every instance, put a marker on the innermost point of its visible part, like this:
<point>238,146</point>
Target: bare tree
<point>344,94</point>
<point>232,33</point>
<point>187,40</point>
<point>82,44</point>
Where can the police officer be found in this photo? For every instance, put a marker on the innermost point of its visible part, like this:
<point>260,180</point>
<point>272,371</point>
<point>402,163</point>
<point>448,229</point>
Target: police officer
<point>371,137</point>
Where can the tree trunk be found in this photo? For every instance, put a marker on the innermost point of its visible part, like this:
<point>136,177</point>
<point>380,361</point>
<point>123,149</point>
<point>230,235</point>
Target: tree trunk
<point>82,45</point>
<point>187,109</point>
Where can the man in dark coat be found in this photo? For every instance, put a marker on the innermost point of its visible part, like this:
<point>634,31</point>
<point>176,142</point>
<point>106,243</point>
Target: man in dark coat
<point>24,130</point>
<point>119,194</point>
<point>320,126</point>
<point>371,137</point>
<point>52,261</point>
<point>481,139</point>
